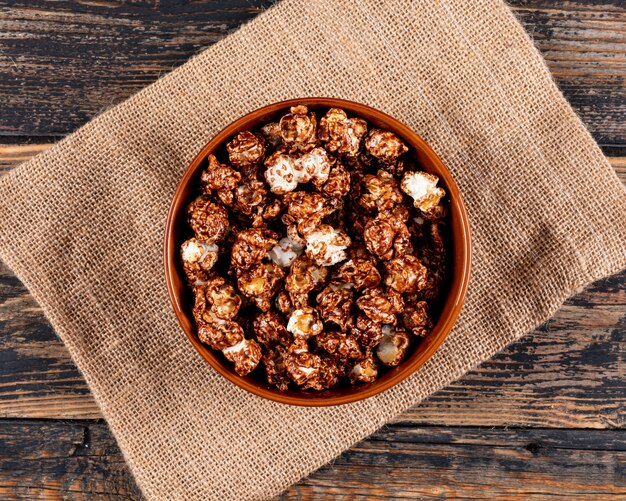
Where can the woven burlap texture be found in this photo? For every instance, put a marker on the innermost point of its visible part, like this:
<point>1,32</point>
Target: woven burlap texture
<point>82,224</point>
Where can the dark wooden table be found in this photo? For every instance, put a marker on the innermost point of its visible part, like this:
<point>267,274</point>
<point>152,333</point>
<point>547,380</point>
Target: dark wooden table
<point>546,418</point>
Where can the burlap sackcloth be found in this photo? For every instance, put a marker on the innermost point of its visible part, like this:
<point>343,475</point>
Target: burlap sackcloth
<point>82,224</point>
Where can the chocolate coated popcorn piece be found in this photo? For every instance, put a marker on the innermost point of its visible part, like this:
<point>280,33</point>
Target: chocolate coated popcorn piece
<point>298,129</point>
<point>341,134</point>
<point>384,146</point>
<point>417,319</point>
<point>198,258</point>
<point>305,323</point>
<point>246,151</point>
<point>251,247</point>
<point>220,179</point>
<point>405,274</point>
<point>269,329</point>
<point>208,220</point>
<point>361,272</point>
<point>365,370</point>
<point>300,364</point>
<point>246,355</point>
<point>335,306</point>
<point>376,305</point>
<point>327,245</point>
<point>339,344</point>
<point>422,188</point>
<point>393,347</point>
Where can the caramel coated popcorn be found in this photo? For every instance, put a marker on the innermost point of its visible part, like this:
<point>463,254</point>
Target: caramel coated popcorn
<point>393,347</point>
<point>275,368</point>
<point>317,251</point>
<point>246,151</point>
<point>368,331</point>
<point>220,179</point>
<point>338,183</point>
<point>208,220</point>
<point>220,334</point>
<point>298,129</point>
<point>198,258</point>
<point>385,146</point>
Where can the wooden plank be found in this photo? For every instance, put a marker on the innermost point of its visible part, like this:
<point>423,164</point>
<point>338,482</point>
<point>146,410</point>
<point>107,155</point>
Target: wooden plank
<point>64,62</point>
<point>474,463</point>
<point>568,373</point>
<point>80,459</point>
<point>14,154</point>
<point>44,460</point>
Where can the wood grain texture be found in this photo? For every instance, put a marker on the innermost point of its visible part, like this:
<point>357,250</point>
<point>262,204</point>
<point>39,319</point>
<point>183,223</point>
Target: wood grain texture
<point>474,463</point>
<point>63,62</point>
<point>57,460</point>
<point>79,460</point>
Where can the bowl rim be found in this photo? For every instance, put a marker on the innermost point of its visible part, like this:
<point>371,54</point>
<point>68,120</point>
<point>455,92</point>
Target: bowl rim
<point>461,258</point>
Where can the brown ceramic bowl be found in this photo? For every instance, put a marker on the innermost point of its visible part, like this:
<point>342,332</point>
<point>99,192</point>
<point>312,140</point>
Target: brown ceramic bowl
<point>177,229</point>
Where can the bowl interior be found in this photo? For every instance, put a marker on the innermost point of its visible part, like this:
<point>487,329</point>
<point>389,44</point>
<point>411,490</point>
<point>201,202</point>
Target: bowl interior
<point>176,232</point>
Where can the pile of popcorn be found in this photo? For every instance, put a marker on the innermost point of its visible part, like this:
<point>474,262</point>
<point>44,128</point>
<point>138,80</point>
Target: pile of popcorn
<point>318,251</point>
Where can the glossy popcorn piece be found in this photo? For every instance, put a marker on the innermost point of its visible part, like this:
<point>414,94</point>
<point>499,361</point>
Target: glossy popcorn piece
<point>220,179</point>
<point>198,258</point>
<point>341,134</point>
<point>305,323</point>
<point>246,150</point>
<point>405,274</point>
<point>251,247</point>
<point>298,128</point>
<point>365,370</point>
<point>422,188</point>
<point>270,329</point>
<point>385,146</point>
<point>327,245</point>
<point>245,355</point>
<point>393,347</point>
<point>361,272</point>
<point>300,363</point>
<point>208,220</point>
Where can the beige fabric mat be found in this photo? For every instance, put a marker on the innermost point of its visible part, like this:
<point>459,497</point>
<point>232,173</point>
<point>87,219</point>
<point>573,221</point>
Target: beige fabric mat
<point>82,224</point>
